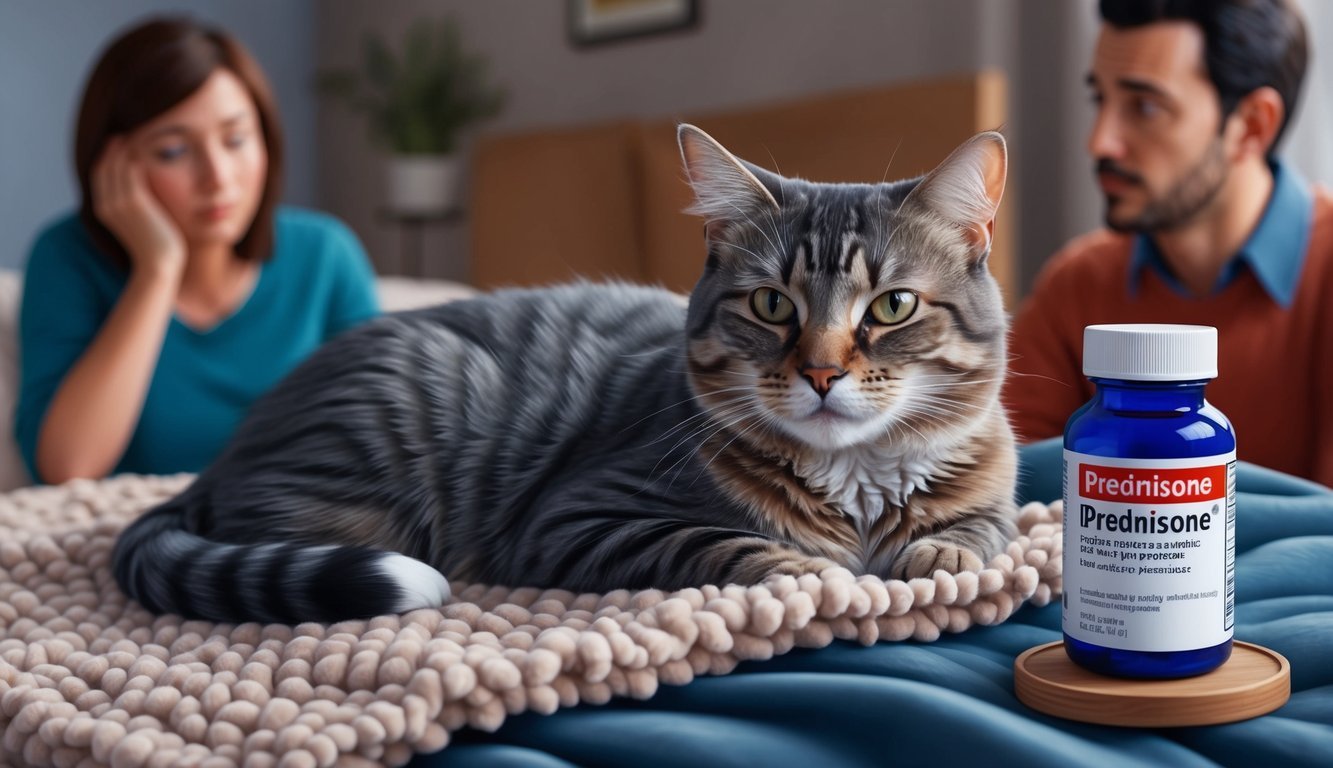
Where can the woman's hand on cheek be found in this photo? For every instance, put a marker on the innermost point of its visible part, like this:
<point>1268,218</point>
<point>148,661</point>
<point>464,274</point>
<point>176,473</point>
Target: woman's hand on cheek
<point>123,202</point>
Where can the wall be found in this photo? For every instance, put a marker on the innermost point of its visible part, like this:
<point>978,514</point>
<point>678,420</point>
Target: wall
<point>1050,107</point>
<point>745,52</point>
<point>47,49</point>
<point>1307,140</point>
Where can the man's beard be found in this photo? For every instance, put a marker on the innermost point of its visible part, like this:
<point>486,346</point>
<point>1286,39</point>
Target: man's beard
<point>1181,203</point>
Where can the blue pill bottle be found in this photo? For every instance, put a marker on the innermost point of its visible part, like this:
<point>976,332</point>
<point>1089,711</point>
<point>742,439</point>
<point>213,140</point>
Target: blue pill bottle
<point>1149,507</point>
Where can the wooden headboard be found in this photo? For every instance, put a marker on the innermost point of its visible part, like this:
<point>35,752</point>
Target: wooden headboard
<point>606,200</point>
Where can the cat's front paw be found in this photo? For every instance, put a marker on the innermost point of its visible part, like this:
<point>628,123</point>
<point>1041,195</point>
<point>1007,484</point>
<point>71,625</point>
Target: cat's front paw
<point>924,557</point>
<point>799,566</point>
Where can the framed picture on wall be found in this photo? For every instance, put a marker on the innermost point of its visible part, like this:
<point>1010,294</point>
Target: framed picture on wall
<point>592,22</point>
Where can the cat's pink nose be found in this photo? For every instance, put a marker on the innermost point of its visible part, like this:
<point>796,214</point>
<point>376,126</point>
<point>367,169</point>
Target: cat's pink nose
<point>822,377</point>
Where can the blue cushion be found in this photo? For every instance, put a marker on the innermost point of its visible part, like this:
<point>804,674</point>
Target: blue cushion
<point>952,701</point>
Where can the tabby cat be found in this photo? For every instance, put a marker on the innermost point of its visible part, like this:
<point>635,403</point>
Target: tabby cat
<point>829,396</point>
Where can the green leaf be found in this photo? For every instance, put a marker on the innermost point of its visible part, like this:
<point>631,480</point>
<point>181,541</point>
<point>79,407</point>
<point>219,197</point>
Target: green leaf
<point>381,69</point>
<point>420,98</point>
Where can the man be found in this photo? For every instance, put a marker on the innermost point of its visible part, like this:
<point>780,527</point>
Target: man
<point>1204,225</point>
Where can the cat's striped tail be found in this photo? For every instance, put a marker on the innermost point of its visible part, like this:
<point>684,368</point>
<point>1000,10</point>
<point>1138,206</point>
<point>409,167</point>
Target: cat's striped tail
<point>168,569</point>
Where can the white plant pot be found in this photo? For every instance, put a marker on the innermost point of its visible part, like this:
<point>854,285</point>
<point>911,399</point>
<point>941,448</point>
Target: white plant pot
<point>423,184</point>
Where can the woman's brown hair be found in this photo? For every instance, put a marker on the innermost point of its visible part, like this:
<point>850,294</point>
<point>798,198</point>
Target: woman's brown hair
<point>147,71</point>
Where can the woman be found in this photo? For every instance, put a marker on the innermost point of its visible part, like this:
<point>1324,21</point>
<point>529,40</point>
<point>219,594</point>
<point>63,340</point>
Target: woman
<point>180,291</point>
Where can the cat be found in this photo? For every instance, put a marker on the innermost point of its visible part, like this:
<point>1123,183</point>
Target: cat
<point>829,396</point>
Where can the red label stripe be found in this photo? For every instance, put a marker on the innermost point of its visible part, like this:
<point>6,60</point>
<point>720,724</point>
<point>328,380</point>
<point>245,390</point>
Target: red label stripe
<point>1145,485</point>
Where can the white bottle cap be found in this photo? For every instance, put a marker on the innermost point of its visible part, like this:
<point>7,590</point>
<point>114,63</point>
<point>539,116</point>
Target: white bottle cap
<point>1150,352</point>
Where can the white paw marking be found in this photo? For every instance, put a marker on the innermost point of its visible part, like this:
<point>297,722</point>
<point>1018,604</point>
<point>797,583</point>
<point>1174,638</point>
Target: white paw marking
<point>422,585</point>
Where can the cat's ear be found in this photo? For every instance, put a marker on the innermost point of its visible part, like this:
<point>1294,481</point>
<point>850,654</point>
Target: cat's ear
<point>966,188</point>
<point>724,188</point>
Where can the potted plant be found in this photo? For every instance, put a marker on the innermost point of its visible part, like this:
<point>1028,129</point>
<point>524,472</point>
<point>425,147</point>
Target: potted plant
<point>418,105</point>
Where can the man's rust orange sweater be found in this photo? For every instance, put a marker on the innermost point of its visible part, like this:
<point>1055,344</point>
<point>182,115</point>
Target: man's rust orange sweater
<point>1275,364</point>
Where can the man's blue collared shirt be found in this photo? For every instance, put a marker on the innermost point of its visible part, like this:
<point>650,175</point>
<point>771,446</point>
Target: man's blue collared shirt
<point>1275,251</point>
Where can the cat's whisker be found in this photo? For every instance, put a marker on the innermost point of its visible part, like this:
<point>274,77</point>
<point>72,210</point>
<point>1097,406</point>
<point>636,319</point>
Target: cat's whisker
<point>899,424</point>
<point>929,420</point>
<point>881,245</point>
<point>744,414</point>
<point>755,224</point>
<point>930,389</point>
<point>730,428</point>
<point>772,222</point>
<point>944,414</point>
<point>940,405</point>
<point>944,375</point>
<point>739,406</point>
<point>936,382</point>
<point>740,247</point>
<point>884,249</point>
<point>947,398</point>
<point>703,414</point>
<point>700,396</point>
<point>729,371</point>
<point>916,409</point>
<point>778,233</point>
<point>764,420</point>
<point>774,161</point>
<point>733,372</point>
<point>952,375</point>
<point>917,384</point>
<point>962,378</point>
<point>700,426</point>
<point>678,426</point>
<point>890,163</point>
<point>1021,375</point>
<point>924,408</point>
<point>742,388</point>
<point>647,352</point>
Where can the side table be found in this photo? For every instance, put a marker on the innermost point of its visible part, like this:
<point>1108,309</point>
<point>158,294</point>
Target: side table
<point>412,227</point>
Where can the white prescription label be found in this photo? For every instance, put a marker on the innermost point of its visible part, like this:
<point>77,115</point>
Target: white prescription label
<point>1149,551</point>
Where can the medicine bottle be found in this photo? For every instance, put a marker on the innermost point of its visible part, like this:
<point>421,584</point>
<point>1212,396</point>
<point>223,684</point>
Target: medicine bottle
<point>1149,507</point>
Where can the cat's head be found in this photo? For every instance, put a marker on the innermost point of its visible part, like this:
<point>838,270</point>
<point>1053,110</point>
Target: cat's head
<point>841,314</point>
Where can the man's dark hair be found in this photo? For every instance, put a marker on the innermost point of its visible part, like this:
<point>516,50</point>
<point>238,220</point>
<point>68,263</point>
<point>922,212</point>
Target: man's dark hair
<point>1247,44</point>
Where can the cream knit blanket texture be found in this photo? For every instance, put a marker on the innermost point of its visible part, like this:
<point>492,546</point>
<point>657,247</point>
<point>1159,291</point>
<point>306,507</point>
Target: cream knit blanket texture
<point>88,677</point>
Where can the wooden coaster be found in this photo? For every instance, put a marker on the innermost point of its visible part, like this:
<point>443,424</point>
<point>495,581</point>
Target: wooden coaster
<point>1253,682</point>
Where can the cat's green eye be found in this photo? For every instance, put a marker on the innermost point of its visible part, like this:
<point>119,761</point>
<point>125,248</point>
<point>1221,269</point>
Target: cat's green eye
<point>893,307</point>
<point>771,306</point>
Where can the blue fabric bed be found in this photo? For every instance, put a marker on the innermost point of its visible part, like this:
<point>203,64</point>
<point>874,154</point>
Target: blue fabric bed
<point>952,701</point>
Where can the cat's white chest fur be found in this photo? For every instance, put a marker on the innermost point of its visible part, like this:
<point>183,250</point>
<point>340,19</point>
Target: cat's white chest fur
<point>864,480</point>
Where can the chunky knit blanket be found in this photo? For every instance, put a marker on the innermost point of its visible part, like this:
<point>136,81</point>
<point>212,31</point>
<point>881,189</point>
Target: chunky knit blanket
<point>88,677</point>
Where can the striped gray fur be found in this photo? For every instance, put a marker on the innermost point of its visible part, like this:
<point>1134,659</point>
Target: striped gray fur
<point>594,437</point>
